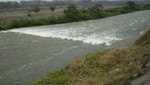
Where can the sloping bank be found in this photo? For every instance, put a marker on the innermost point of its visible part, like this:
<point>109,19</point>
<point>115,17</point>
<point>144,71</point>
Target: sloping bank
<point>111,67</point>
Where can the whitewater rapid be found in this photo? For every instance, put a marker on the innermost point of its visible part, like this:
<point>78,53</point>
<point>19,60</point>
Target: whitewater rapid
<point>76,34</point>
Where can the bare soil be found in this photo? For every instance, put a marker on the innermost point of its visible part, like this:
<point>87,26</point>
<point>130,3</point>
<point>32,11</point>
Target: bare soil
<point>9,15</point>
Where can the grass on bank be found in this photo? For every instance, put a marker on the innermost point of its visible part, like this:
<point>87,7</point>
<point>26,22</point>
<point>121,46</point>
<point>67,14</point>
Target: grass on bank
<point>112,67</point>
<point>73,14</point>
<point>144,40</point>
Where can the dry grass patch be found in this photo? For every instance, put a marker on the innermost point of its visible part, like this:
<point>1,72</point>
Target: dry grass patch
<point>144,40</point>
<point>116,67</point>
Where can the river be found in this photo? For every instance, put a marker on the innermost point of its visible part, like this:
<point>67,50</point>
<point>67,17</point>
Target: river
<point>28,54</point>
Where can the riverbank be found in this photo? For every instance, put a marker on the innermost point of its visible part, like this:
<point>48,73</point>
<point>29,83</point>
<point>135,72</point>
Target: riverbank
<point>73,14</point>
<point>110,67</point>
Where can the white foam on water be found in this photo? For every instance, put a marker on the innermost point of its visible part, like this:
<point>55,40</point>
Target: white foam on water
<point>24,66</point>
<point>142,32</point>
<point>3,31</point>
<point>83,34</point>
<point>142,21</point>
<point>135,21</point>
<point>72,47</point>
<point>132,24</point>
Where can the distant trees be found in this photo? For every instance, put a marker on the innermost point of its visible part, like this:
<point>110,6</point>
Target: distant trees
<point>131,4</point>
<point>129,7</point>
<point>7,5</point>
<point>72,13</point>
<point>96,10</point>
<point>147,6</point>
<point>36,9</point>
<point>98,7</point>
<point>52,8</point>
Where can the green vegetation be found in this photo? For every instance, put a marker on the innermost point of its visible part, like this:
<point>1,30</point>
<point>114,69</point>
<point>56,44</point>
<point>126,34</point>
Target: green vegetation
<point>36,9</point>
<point>131,4</point>
<point>56,78</point>
<point>144,40</point>
<point>111,67</point>
<point>52,8</point>
<point>73,14</point>
<point>31,22</point>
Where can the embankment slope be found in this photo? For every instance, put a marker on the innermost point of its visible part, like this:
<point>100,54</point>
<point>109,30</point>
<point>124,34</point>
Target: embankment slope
<point>110,67</point>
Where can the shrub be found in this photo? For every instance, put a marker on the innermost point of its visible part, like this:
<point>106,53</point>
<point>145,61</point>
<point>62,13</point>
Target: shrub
<point>131,4</point>
<point>72,13</point>
<point>52,8</point>
<point>36,9</point>
<point>62,19</point>
<point>96,11</point>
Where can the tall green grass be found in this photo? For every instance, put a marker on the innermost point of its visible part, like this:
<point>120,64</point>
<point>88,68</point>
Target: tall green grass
<point>56,78</point>
<point>29,22</point>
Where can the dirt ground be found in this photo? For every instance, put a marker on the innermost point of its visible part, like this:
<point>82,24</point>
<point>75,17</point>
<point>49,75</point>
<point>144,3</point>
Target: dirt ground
<point>7,16</point>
